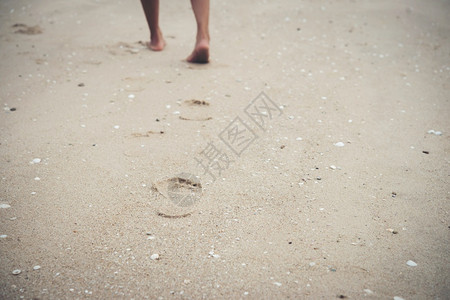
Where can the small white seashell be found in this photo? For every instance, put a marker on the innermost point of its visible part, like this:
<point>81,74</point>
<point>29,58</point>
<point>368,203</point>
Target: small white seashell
<point>411,263</point>
<point>333,167</point>
<point>131,96</point>
<point>154,256</point>
<point>116,126</point>
<point>278,283</point>
<point>16,272</point>
<point>36,160</point>
<point>4,205</point>
<point>3,236</point>
<point>299,139</point>
<point>36,267</point>
<point>435,132</point>
<point>211,253</point>
<point>339,144</point>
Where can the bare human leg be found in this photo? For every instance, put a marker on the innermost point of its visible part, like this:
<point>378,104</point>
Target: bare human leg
<point>151,10</point>
<point>201,49</point>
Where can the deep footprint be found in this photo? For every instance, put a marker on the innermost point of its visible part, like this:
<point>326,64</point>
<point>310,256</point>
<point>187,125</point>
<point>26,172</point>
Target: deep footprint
<point>183,190</point>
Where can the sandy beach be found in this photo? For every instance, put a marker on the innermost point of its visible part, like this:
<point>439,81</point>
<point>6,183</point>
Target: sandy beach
<point>308,160</point>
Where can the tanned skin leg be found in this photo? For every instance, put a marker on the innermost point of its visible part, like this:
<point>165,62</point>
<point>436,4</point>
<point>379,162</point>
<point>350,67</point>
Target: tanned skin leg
<point>200,54</point>
<point>151,10</point>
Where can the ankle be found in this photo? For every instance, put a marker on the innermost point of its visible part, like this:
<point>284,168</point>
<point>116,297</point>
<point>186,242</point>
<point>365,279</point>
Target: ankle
<point>155,34</point>
<point>203,36</point>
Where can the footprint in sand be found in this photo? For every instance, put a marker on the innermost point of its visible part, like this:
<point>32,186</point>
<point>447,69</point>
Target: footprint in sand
<point>146,134</point>
<point>195,119</point>
<point>196,110</point>
<point>177,195</point>
<point>133,150</point>
<point>29,30</point>
<point>122,48</point>
<point>195,102</point>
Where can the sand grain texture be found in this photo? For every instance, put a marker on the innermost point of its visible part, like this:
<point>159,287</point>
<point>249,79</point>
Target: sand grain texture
<point>293,216</point>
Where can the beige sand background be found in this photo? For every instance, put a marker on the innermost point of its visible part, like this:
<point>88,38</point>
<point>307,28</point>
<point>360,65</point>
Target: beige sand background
<point>80,93</point>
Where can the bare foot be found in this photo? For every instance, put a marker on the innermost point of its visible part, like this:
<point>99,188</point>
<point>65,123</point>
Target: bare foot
<point>200,55</point>
<point>157,42</point>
